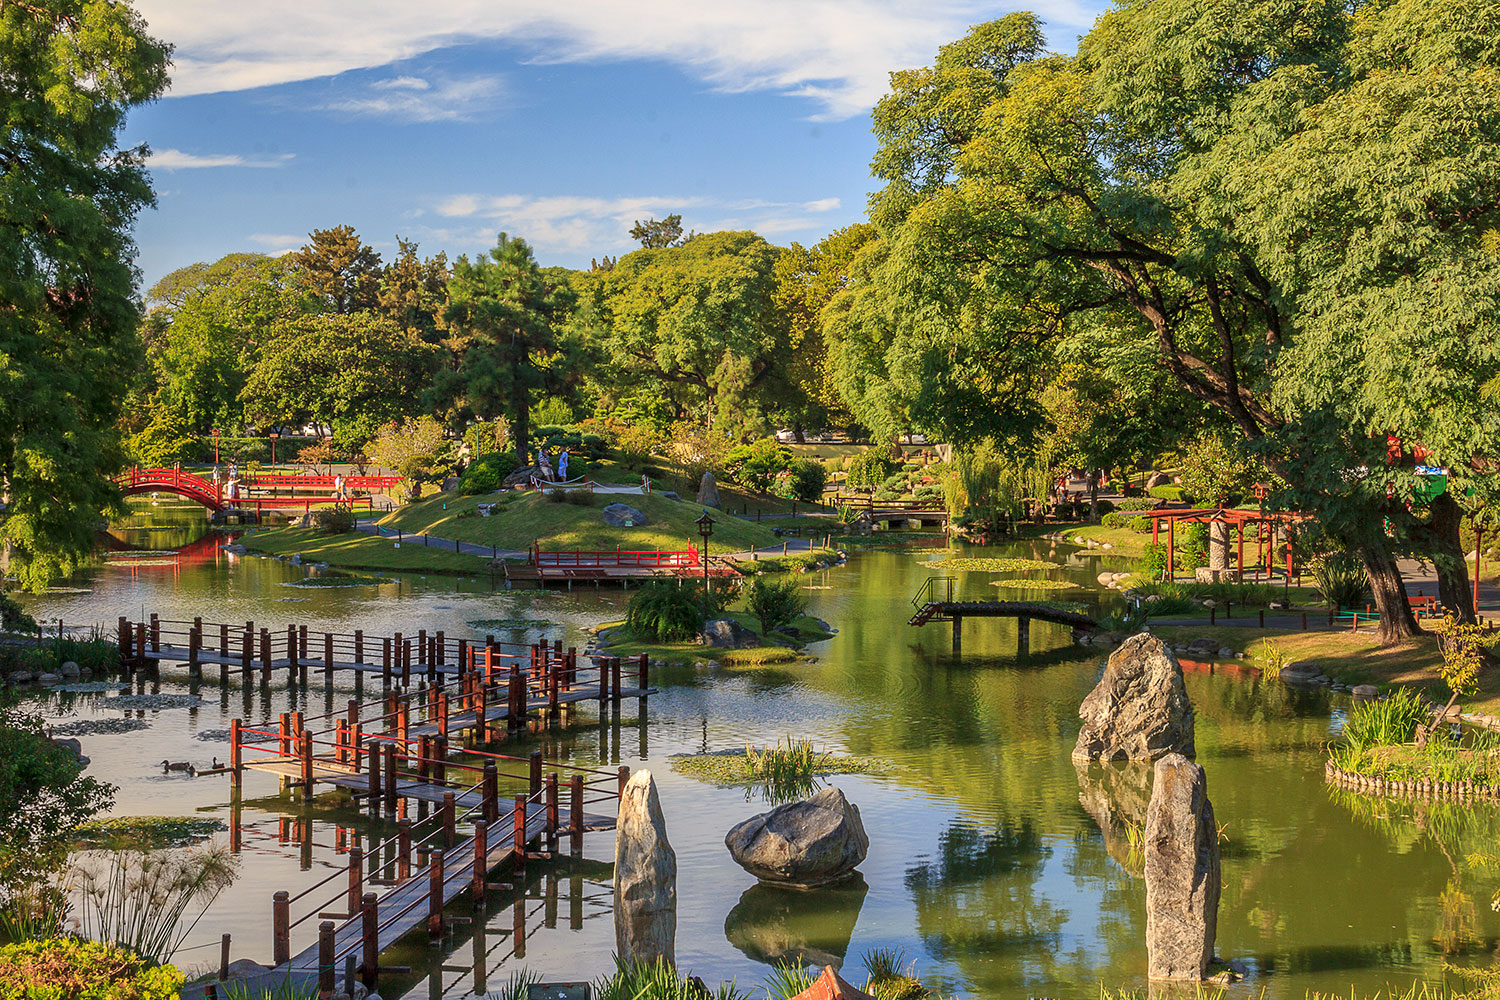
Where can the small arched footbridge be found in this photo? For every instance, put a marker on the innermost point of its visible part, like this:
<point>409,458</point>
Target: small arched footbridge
<point>936,602</point>
<point>255,492</point>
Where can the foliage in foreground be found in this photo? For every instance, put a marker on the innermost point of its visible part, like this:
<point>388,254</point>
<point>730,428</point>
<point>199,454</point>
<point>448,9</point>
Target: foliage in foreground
<point>641,980</point>
<point>1341,579</point>
<point>73,969</point>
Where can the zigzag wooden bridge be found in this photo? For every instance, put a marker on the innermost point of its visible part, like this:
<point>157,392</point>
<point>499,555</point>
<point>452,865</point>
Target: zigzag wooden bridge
<point>935,602</point>
<point>393,754</point>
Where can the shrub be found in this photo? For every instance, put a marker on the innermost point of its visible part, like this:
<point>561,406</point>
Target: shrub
<point>868,470</point>
<point>1139,525</point>
<point>803,481</point>
<point>486,473</point>
<point>1340,578</point>
<point>12,618</point>
<point>73,969</point>
<point>775,602</point>
<point>1194,546</point>
<point>1115,519</point>
<point>666,611</point>
<point>334,520</point>
<point>1154,560</point>
<point>1173,493</point>
<point>756,466</point>
<point>1135,503</point>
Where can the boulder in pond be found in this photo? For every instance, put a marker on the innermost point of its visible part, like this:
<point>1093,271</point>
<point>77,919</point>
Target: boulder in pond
<point>1139,710</point>
<point>817,841</point>
<point>708,491</point>
<point>1182,872</point>
<point>726,633</point>
<point>622,515</point>
<point>645,876</point>
<point>70,669</point>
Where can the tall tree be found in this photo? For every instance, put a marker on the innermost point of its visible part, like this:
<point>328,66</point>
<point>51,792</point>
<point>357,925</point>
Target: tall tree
<point>340,270</point>
<point>1123,188</point>
<point>698,321</point>
<point>351,374</point>
<point>658,234</point>
<point>508,313</point>
<point>73,69</point>
<point>413,292</point>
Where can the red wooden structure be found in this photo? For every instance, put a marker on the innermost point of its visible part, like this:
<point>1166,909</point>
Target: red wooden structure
<point>256,492</point>
<point>1238,519</point>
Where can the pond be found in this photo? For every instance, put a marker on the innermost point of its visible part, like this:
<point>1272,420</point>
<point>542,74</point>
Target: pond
<point>988,866</point>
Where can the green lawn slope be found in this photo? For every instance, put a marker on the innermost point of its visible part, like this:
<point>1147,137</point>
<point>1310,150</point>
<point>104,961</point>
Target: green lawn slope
<point>524,519</point>
<point>357,550</point>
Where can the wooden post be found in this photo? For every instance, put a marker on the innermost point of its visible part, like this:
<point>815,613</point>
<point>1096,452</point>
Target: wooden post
<point>284,734</point>
<point>575,813</point>
<point>265,655</point>
<point>434,893</point>
<point>291,649</point>
<point>450,834</point>
<point>551,785</point>
<point>1262,617</point>
<point>518,819</point>
<point>155,634</point>
<point>489,794</point>
<point>359,645</point>
<point>481,859</point>
<point>516,716</point>
<point>195,643</point>
<point>223,957</point>
<point>439,649</point>
<point>341,741</point>
<point>140,645</point>
<point>369,969</point>
<point>603,664</point>
<point>247,652</point>
<point>124,640</point>
<point>442,713</point>
<point>643,674</point>
<point>325,957</point>
<point>403,849</point>
<point>307,766</point>
<point>281,945</point>
<point>535,776</point>
<point>234,752</point>
<point>356,877</point>
<point>390,779</point>
<point>614,679</point>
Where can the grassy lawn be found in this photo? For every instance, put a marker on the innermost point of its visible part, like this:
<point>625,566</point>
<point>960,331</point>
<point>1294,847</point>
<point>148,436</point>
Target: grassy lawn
<point>1351,657</point>
<point>527,518</point>
<point>357,550</point>
<point>777,648</point>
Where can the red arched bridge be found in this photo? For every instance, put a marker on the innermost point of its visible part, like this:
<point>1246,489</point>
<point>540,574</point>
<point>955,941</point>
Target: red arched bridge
<point>251,492</point>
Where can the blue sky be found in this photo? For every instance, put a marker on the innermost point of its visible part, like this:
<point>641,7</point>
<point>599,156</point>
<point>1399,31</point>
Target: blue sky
<point>562,122</point>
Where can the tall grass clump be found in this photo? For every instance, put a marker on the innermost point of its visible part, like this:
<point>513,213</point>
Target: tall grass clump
<point>786,980</point>
<point>666,611</point>
<point>658,980</point>
<point>1272,658</point>
<point>1340,578</point>
<point>1389,721</point>
<point>789,770</point>
<point>149,901</point>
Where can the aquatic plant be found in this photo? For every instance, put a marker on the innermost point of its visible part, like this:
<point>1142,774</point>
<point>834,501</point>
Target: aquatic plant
<point>888,976</point>
<point>1387,721</point>
<point>144,900</point>
<point>787,771</point>
<point>786,980</point>
<point>287,989</point>
<point>665,611</point>
<point>659,980</point>
<point>1038,584</point>
<point>504,623</point>
<point>1272,658</point>
<point>987,564</point>
<point>147,832</point>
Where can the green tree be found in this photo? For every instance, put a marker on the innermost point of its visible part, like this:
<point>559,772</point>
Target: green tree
<point>1155,184</point>
<point>339,270</point>
<point>699,322</point>
<point>508,314</point>
<point>349,373</point>
<point>414,291</point>
<point>657,234</point>
<point>73,69</point>
<point>417,449</point>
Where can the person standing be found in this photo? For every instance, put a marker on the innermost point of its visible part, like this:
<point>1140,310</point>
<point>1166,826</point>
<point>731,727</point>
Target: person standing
<point>562,465</point>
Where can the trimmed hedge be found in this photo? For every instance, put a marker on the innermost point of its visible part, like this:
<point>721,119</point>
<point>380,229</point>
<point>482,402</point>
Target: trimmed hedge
<point>1174,493</point>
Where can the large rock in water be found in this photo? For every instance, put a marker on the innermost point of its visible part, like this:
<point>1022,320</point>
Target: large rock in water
<point>622,515</point>
<point>1182,872</point>
<point>802,844</point>
<point>726,633</point>
<point>645,876</point>
<point>708,491</point>
<point>1140,709</point>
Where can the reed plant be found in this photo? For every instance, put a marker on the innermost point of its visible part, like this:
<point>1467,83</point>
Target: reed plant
<point>1386,722</point>
<point>788,770</point>
<point>1341,579</point>
<point>787,980</point>
<point>286,989</point>
<point>1272,657</point>
<point>888,976</point>
<point>659,980</point>
<point>149,901</point>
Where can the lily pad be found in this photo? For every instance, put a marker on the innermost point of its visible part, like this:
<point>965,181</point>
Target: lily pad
<point>1034,584</point>
<point>94,727</point>
<point>985,564</point>
<point>136,702</point>
<point>147,832</point>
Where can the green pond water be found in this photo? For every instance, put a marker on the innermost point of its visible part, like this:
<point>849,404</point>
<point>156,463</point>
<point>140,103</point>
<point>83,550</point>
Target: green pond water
<point>997,866</point>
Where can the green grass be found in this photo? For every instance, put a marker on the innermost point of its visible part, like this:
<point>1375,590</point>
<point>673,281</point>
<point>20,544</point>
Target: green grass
<point>529,518</point>
<point>788,563</point>
<point>357,550</point>
<point>788,761</point>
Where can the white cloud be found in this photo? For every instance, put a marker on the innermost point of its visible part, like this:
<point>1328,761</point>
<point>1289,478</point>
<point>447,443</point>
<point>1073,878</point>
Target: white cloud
<point>582,224</point>
<point>834,53</point>
<point>278,243</point>
<point>176,159</point>
<point>413,99</point>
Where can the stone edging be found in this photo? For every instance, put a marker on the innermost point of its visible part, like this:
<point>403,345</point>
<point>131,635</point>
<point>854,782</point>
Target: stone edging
<point>1426,788</point>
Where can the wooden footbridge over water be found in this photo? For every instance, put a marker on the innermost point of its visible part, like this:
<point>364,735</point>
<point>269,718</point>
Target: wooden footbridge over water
<point>412,749</point>
<point>936,602</point>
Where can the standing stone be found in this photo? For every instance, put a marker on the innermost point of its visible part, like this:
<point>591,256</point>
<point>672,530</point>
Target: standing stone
<point>645,876</point>
<point>1182,872</point>
<point>1140,709</point>
<point>708,491</point>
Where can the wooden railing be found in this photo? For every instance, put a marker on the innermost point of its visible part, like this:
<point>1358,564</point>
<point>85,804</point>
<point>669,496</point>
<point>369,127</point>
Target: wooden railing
<point>593,559</point>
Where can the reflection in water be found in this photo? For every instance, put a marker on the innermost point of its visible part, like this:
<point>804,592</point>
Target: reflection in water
<point>1116,796</point>
<point>779,926</point>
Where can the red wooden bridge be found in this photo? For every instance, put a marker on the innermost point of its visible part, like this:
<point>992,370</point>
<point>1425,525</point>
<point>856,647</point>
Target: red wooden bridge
<point>256,492</point>
<point>606,564</point>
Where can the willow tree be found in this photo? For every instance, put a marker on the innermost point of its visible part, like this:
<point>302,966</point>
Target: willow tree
<point>69,195</point>
<point>1281,204</point>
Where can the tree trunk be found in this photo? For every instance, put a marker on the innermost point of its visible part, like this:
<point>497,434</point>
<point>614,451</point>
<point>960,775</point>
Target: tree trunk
<point>1396,621</point>
<point>1454,590</point>
<point>797,433</point>
<point>1094,496</point>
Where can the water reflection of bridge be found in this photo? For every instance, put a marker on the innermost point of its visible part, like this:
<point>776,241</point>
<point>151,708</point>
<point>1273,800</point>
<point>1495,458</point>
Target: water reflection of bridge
<point>205,550</point>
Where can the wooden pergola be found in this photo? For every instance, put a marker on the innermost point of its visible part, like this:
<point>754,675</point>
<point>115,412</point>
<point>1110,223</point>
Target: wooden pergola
<point>1233,516</point>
